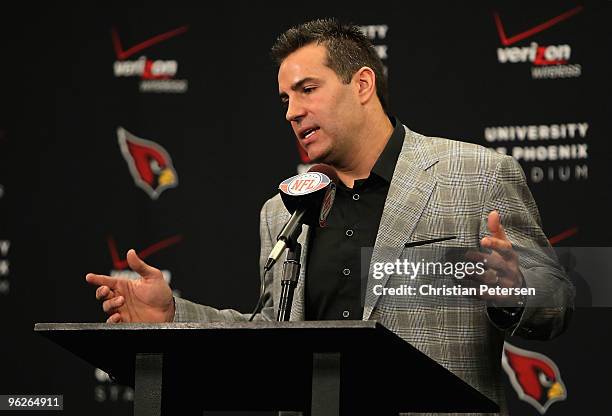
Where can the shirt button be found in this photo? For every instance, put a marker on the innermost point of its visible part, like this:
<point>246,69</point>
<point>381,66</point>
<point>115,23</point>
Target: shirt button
<point>349,233</point>
<point>346,272</point>
<point>345,314</point>
<point>356,197</point>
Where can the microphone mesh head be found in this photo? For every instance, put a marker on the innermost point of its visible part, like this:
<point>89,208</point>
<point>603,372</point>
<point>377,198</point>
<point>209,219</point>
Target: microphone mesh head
<point>325,170</point>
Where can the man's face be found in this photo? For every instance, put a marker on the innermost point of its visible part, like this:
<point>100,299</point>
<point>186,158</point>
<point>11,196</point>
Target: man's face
<point>323,111</point>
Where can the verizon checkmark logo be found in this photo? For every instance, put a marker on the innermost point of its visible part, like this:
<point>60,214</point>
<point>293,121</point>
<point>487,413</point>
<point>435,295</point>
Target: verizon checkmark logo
<point>124,54</point>
<point>119,264</point>
<point>555,57</point>
<point>157,75</point>
<point>564,235</point>
<point>507,41</point>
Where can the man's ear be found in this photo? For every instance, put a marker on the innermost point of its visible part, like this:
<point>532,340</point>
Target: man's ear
<point>365,80</point>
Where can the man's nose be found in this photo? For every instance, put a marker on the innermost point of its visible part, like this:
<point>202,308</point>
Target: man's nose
<point>295,111</point>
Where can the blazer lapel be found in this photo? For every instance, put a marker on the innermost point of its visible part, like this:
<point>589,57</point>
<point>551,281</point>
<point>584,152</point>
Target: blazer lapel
<point>409,192</point>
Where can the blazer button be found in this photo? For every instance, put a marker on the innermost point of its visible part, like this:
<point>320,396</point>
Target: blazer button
<point>349,233</point>
<point>345,314</point>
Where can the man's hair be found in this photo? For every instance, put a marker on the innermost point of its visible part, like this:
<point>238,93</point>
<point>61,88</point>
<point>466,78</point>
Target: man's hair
<point>348,50</point>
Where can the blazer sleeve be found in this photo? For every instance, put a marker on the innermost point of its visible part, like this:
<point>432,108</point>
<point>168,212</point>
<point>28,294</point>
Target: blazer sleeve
<point>547,313</point>
<point>187,311</point>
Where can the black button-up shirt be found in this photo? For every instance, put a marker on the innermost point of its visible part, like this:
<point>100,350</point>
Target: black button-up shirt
<point>334,280</point>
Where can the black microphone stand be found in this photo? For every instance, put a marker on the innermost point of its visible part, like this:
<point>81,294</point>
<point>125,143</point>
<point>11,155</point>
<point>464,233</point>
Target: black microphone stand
<point>291,274</point>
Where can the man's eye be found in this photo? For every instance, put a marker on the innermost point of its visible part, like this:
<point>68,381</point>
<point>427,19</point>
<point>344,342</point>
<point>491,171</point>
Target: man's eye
<point>308,90</point>
<point>284,103</point>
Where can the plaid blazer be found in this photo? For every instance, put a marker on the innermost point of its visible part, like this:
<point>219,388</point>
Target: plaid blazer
<point>439,188</point>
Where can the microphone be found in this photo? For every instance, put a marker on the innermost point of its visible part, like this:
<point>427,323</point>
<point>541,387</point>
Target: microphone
<point>309,198</point>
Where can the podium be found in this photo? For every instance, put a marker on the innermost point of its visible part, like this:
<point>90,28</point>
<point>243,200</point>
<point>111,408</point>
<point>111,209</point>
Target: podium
<point>317,367</point>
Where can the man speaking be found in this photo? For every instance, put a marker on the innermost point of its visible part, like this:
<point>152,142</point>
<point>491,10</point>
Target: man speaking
<point>395,187</point>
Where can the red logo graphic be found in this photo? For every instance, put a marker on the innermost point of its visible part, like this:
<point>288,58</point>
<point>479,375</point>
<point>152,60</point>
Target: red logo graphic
<point>119,264</point>
<point>535,377</point>
<point>563,235</point>
<point>304,184</point>
<point>149,163</point>
<point>507,41</point>
<point>124,54</point>
<point>156,75</point>
<point>301,186</point>
<point>537,54</point>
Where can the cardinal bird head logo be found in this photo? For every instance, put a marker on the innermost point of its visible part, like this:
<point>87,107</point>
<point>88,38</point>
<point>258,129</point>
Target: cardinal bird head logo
<point>149,163</point>
<point>535,377</point>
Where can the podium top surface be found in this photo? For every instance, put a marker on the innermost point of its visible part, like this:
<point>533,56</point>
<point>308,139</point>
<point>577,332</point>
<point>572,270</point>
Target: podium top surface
<point>306,336</point>
<point>182,326</point>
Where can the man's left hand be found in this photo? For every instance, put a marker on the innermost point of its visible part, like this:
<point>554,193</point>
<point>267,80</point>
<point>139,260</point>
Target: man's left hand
<point>502,265</point>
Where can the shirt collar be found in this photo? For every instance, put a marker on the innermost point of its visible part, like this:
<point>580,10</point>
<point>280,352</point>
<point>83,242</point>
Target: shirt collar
<point>385,165</point>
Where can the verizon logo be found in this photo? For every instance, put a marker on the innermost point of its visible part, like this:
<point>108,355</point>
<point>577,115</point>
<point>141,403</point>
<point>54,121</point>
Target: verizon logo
<point>548,61</point>
<point>538,55</point>
<point>157,76</point>
<point>146,68</point>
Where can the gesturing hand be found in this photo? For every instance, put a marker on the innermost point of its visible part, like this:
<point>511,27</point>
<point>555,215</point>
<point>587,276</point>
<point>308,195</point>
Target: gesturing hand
<point>146,299</point>
<point>502,263</point>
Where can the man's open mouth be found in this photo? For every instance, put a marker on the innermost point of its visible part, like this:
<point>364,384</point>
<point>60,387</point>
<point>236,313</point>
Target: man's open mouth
<point>308,132</point>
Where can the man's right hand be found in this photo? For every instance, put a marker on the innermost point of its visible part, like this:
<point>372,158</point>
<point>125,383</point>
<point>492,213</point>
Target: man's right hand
<point>147,299</point>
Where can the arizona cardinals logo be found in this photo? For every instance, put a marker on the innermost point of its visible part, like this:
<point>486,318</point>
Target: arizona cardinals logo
<point>150,165</point>
<point>535,377</point>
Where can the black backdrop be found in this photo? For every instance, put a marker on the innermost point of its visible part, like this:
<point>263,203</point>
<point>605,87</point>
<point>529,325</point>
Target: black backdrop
<point>68,198</point>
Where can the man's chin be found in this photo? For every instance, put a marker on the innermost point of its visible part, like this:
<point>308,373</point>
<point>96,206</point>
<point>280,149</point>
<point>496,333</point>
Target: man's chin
<point>319,156</point>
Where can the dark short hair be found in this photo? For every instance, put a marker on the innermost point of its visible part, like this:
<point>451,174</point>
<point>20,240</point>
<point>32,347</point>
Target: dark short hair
<point>348,50</point>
